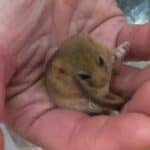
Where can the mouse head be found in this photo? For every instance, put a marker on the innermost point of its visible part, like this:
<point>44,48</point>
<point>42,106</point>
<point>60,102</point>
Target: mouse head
<point>84,62</point>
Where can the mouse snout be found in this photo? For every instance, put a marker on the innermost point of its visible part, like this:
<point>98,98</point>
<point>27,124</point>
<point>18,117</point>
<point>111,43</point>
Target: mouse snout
<point>99,83</point>
<point>93,82</point>
<point>96,84</point>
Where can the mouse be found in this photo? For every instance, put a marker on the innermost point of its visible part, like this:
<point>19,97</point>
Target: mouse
<point>78,75</point>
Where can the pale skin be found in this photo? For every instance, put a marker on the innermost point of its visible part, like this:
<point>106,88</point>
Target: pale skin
<point>29,30</point>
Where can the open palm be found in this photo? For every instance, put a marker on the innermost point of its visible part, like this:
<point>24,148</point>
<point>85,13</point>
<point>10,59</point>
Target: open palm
<point>29,32</point>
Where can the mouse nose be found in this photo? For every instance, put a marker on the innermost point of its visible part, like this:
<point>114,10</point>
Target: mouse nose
<point>95,84</point>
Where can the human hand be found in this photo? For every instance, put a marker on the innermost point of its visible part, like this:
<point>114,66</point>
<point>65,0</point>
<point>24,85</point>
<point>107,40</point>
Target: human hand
<point>27,39</point>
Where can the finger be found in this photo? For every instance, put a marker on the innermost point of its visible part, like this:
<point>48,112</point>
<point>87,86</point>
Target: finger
<point>140,102</point>
<point>138,36</point>
<point>61,130</point>
<point>129,79</point>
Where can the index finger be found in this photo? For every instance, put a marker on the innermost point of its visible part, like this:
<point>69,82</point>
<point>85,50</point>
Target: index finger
<point>139,39</point>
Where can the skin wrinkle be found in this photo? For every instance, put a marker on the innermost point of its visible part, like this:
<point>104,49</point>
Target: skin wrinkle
<point>26,109</point>
<point>52,20</point>
<point>16,25</point>
<point>36,47</point>
<point>89,17</point>
<point>100,135</point>
<point>24,86</point>
<point>75,131</point>
<point>99,131</point>
<point>96,137</point>
<point>12,57</point>
<point>36,62</point>
<point>42,17</point>
<point>74,8</point>
<point>5,66</point>
<point>16,100</point>
<point>33,77</point>
<point>23,69</point>
<point>105,21</point>
<point>101,21</point>
<point>66,15</point>
<point>72,16</point>
<point>109,39</point>
<point>81,21</point>
<point>24,64</point>
<point>72,125</point>
<point>42,113</point>
<point>80,127</point>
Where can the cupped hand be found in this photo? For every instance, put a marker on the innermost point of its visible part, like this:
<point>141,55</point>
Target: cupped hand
<point>29,33</point>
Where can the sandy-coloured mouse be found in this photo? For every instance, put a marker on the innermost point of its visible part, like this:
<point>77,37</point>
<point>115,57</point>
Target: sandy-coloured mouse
<point>79,73</point>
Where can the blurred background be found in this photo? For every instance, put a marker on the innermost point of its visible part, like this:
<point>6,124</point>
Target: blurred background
<point>137,12</point>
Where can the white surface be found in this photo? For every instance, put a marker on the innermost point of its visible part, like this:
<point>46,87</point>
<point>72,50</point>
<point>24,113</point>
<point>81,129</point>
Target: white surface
<point>8,143</point>
<point>14,142</point>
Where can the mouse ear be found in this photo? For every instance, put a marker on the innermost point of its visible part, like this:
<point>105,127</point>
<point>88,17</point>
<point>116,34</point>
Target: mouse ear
<point>119,54</point>
<point>57,67</point>
<point>122,50</point>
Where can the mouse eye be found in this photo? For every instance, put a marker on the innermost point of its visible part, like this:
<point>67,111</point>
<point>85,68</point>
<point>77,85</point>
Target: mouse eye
<point>84,76</point>
<point>101,61</point>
